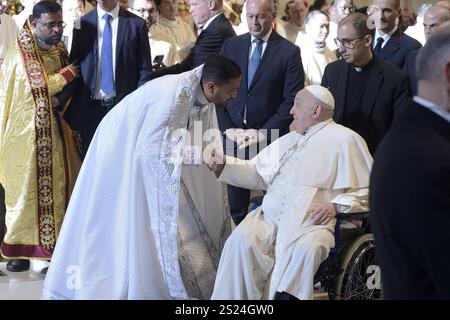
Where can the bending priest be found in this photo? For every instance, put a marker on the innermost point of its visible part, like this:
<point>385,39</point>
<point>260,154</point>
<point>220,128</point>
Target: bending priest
<point>139,224</point>
<point>277,249</point>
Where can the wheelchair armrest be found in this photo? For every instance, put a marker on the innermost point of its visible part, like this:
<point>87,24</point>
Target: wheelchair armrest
<point>352,216</point>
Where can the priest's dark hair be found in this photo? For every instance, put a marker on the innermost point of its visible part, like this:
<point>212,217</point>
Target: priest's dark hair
<point>358,21</point>
<point>220,70</point>
<point>46,6</point>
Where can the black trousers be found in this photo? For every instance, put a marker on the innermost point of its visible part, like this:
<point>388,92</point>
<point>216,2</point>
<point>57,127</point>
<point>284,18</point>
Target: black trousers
<point>2,213</point>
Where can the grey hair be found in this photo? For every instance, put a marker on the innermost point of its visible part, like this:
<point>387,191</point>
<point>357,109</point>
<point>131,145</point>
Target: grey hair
<point>269,4</point>
<point>434,55</point>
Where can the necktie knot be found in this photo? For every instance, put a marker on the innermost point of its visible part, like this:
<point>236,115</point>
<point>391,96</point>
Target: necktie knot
<point>258,42</point>
<point>378,47</point>
<point>107,17</point>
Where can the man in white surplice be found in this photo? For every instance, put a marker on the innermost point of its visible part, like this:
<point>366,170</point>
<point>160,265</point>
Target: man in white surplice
<point>140,225</point>
<point>277,248</point>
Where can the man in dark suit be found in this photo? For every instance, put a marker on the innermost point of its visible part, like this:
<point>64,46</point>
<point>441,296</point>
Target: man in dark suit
<point>432,18</point>
<point>410,185</point>
<point>368,92</point>
<point>111,45</point>
<point>216,28</point>
<point>390,43</point>
<point>272,74</point>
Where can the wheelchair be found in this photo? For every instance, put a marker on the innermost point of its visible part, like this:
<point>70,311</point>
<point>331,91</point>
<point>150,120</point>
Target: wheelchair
<point>351,271</point>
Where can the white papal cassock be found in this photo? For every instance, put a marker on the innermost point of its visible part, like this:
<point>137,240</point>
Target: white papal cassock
<point>277,247</point>
<point>140,225</point>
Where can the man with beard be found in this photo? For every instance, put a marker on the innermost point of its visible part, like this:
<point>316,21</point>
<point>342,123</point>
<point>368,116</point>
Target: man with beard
<point>35,168</point>
<point>141,225</point>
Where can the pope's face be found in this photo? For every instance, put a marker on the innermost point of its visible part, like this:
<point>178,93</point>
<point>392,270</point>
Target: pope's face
<point>302,111</point>
<point>49,27</point>
<point>220,95</point>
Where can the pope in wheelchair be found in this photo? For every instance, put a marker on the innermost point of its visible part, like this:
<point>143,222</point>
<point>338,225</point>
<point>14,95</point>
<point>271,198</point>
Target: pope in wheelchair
<point>308,176</point>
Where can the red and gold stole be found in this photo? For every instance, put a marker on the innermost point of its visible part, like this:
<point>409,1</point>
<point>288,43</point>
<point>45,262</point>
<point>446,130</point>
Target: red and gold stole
<point>43,128</point>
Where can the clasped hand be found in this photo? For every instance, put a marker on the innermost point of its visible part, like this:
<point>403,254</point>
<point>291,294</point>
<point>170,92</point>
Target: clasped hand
<point>244,137</point>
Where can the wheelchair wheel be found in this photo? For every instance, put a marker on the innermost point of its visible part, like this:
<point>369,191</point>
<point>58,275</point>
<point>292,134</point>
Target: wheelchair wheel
<point>359,277</point>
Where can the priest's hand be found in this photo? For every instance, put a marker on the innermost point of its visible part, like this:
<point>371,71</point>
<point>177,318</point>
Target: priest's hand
<point>214,159</point>
<point>250,137</point>
<point>74,68</point>
<point>323,214</point>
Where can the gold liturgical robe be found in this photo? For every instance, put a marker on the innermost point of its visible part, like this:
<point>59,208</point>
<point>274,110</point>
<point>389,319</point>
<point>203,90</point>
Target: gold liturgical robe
<point>37,166</point>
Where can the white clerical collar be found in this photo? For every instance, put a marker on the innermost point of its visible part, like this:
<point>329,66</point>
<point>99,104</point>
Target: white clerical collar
<point>114,12</point>
<point>440,111</point>
<point>265,38</point>
<point>385,37</point>
<point>207,23</point>
<point>314,128</point>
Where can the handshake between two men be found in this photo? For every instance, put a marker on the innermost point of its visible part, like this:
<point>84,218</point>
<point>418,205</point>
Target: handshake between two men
<point>215,160</point>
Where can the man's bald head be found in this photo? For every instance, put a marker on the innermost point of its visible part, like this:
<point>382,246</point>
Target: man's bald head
<point>444,3</point>
<point>340,9</point>
<point>433,67</point>
<point>260,17</point>
<point>434,17</point>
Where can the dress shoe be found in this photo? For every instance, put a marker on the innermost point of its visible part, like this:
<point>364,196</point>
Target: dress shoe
<point>18,265</point>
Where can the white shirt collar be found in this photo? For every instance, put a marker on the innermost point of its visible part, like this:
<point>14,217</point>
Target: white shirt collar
<point>265,38</point>
<point>210,20</point>
<point>440,111</point>
<point>386,37</point>
<point>114,12</point>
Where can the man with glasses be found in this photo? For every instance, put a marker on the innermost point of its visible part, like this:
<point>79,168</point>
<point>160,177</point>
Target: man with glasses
<point>38,164</point>
<point>162,43</point>
<point>338,11</point>
<point>390,43</point>
<point>368,92</point>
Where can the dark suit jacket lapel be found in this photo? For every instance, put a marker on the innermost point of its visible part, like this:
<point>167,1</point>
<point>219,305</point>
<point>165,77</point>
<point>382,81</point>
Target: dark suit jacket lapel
<point>123,21</point>
<point>93,20</point>
<point>392,45</point>
<point>341,87</point>
<point>245,56</point>
<point>271,49</point>
<point>373,86</point>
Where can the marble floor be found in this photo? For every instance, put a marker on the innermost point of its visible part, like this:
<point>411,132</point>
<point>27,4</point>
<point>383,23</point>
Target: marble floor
<point>19,285</point>
<point>28,285</point>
